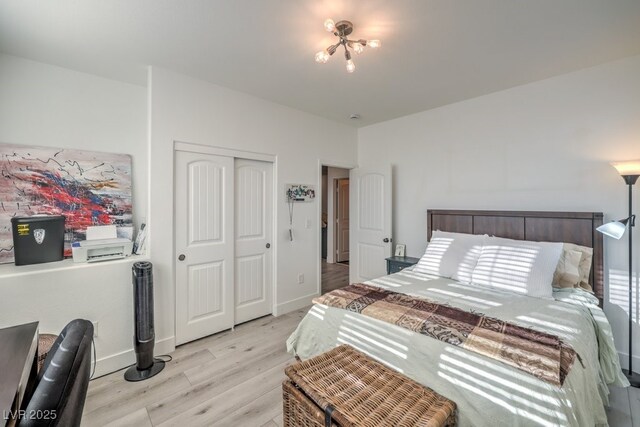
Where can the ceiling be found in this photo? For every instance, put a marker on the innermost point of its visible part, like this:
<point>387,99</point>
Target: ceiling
<point>433,52</point>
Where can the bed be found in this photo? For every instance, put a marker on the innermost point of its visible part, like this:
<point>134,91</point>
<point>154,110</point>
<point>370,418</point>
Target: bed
<point>486,391</point>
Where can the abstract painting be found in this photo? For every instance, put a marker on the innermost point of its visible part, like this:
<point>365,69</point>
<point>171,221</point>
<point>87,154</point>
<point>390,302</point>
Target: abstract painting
<point>88,188</point>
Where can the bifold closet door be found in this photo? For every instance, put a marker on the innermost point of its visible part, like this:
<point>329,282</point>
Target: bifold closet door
<point>254,229</point>
<point>204,243</point>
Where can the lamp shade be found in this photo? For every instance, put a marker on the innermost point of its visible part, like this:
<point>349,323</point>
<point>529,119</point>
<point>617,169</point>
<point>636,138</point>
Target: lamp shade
<point>629,167</point>
<point>614,229</point>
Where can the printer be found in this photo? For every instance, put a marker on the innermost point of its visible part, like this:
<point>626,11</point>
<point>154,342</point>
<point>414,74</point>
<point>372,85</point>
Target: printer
<point>101,245</point>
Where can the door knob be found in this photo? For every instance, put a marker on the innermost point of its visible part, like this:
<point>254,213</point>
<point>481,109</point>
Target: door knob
<point>268,245</point>
<point>386,240</point>
<point>181,257</point>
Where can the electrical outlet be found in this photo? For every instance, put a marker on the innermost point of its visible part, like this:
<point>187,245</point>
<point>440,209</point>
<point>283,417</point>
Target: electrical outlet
<point>307,223</point>
<point>95,329</point>
<point>300,279</point>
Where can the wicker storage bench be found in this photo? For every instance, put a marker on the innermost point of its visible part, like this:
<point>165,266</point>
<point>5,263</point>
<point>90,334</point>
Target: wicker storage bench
<point>344,387</point>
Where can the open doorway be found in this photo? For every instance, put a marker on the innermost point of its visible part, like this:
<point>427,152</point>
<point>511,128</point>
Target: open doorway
<point>335,228</point>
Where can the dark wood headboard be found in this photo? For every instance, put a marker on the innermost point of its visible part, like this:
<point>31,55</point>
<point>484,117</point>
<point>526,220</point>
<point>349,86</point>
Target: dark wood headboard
<point>569,227</point>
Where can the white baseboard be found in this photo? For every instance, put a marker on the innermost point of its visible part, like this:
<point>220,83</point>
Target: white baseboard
<point>115,362</point>
<point>295,304</point>
<point>624,361</point>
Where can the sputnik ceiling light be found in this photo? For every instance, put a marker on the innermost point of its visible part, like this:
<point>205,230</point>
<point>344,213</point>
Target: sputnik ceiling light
<point>342,29</point>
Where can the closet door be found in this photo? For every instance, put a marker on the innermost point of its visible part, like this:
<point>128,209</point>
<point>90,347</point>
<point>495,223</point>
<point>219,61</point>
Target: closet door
<point>253,251</point>
<point>204,243</point>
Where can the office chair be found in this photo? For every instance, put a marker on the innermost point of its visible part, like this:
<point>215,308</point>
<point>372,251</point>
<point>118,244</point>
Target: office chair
<point>61,388</point>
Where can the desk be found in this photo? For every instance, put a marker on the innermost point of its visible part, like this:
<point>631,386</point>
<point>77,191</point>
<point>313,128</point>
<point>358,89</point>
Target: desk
<point>18,368</point>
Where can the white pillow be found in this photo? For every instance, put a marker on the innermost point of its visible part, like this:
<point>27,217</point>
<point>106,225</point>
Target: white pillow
<point>451,255</point>
<point>518,266</point>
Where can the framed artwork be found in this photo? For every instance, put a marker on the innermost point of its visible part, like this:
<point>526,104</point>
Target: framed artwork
<point>300,192</point>
<point>88,188</point>
<point>400,250</point>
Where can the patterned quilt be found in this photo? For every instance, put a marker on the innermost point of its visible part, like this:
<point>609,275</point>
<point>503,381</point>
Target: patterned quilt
<point>540,354</point>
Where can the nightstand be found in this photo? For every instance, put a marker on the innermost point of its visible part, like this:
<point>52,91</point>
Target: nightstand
<point>397,263</point>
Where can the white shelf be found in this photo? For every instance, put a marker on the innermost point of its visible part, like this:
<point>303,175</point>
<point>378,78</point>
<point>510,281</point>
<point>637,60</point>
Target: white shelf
<point>11,270</point>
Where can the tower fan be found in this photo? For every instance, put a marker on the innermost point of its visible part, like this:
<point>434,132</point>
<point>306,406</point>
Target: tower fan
<point>144,338</point>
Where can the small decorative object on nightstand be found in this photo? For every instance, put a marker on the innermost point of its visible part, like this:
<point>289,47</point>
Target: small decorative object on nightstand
<point>397,263</point>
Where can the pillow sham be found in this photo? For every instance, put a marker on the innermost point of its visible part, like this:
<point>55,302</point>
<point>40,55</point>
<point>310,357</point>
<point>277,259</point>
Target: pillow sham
<point>451,255</point>
<point>567,274</point>
<point>518,266</point>
<point>585,264</point>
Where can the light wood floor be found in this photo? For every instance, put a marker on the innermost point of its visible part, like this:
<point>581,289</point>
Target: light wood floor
<point>624,407</point>
<point>229,379</point>
<point>334,276</point>
<point>234,379</point>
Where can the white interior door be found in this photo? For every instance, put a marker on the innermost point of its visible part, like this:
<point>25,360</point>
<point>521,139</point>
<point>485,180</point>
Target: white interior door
<point>254,223</point>
<point>204,244</point>
<point>370,223</point>
<point>342,220</point>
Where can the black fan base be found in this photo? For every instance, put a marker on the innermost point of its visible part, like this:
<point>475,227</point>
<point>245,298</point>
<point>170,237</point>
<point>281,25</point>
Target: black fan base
<point>134,374</point>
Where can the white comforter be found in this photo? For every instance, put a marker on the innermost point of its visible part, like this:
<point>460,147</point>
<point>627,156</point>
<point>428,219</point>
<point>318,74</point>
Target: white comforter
<point>487,392</point>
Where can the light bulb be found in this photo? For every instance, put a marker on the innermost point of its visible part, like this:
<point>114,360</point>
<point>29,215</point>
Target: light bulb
<point>329,25</point>
<point>322,57</point>
<point>373,43</point>
<point>351,67</point>
<point>358,48</point>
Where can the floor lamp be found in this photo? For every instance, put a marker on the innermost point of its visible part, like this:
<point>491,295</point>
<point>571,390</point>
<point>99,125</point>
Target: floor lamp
<point>630,171</point>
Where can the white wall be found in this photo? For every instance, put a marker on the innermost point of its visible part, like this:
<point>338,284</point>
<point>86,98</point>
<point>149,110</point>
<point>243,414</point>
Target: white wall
<point>50,106</point>
<point>332,175</point>
<point>46,105</point>
<point>189,110</point>
<point>542,146</point>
